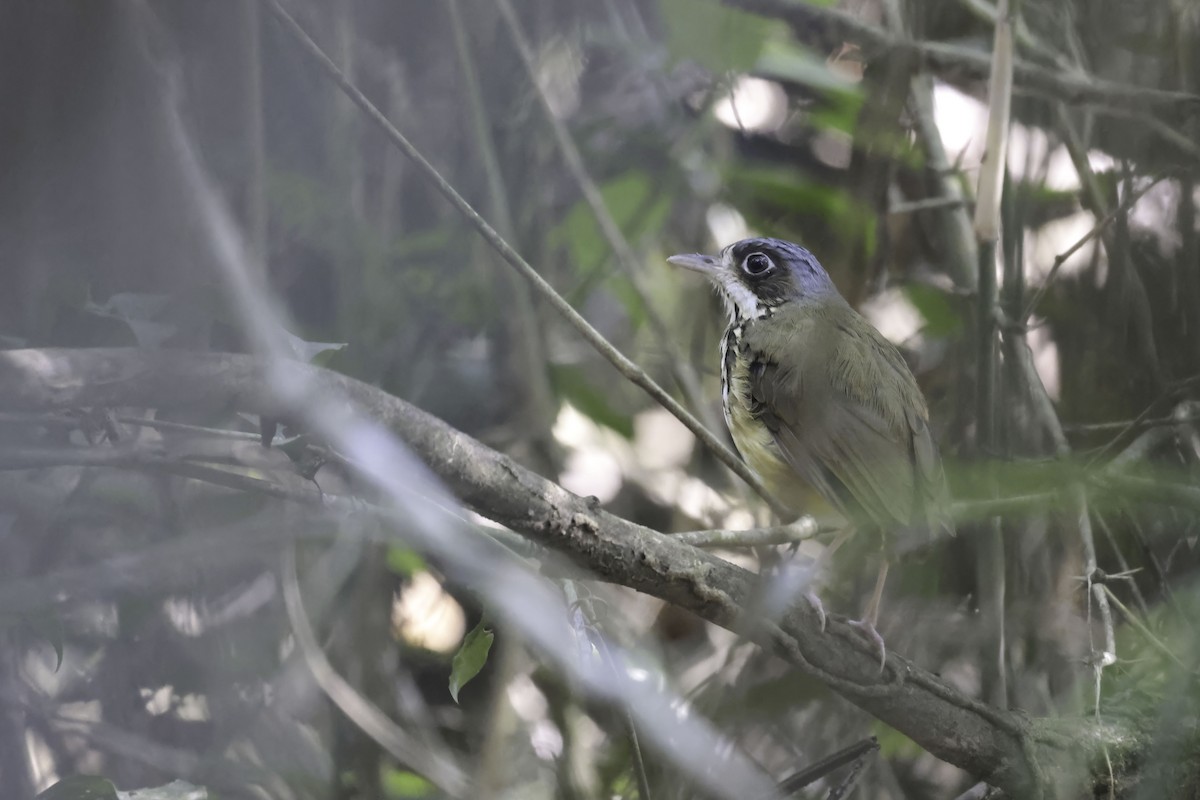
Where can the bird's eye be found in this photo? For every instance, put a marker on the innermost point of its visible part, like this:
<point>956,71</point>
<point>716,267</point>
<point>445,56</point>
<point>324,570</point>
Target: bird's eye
<point>757,264</point>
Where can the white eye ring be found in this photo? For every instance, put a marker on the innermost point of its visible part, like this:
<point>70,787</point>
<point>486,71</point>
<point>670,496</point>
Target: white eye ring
<point>757,264</point>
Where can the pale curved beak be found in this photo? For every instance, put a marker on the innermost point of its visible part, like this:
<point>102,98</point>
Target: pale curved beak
<point>696,262</point>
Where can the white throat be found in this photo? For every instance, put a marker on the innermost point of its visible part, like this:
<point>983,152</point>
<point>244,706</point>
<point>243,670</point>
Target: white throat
<point>741,303</point>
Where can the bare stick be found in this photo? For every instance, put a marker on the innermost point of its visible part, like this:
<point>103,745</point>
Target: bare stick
<point>834,25</point>
<point>952,726</point>
<point>626,367</point>
<point>990,559</point>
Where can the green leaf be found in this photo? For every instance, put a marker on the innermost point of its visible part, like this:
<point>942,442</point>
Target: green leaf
<point>398,784</point>
<point>404,561</point>
<point>936,308</point>
<point>713,35</point>
<point>430,243</point>
<point>572,385</point>
<point>892,743</point>
<point>81,787</point>
<point>471,656</point>
<point>789,190</point>
<point>639,209</point>
<point>775,697</point>
<point>628,199</point>
<point>622,288</point>
<point>786,61</point>
<point>300,204</point>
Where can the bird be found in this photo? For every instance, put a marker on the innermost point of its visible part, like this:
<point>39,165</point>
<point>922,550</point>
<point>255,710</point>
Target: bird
<point>817,399</point>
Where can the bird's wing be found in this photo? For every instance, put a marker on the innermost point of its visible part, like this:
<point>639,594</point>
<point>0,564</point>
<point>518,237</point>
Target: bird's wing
<point>848,416</point>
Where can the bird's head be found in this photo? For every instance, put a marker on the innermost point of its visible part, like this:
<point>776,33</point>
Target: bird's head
<point>756,276</point>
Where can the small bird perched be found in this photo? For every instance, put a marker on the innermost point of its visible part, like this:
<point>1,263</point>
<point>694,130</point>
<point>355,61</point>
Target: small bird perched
<point>815,397</point>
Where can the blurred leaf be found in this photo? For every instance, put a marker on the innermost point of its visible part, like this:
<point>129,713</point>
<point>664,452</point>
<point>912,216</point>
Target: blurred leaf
<point>150,334</point>
<point>713,35</point>
<point>936,308</point>
<point>572,384</point>
<point>49,627</point>
<point>773,698</point>
<point>471,656</point>
<point>175,790</point>
<point>404,561</point>
<point>300,204</point>
<point>398,784</point>
<point>639,210</point>
<point>1041,204</point>
<point>787,61</point>
<point>1143,43</point>
<point>325,356</point>
<point>790,190</point>
<point>130,305</point>
<point>840,115</point>
<point>428,243</point>
<point>648,217</point>
<point>628,198</point>
<point>893,743</point>
<point>81,787</point>
<point>311,352</point>
<point>622,288</point>
<point>139,312</point>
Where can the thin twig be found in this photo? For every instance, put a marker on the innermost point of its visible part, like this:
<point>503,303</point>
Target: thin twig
<point>928,204</point>
<point>991,555</point>
<point>494,765</point>
<point>834,26</point>
<point>1043,411</point>
<point>1128,425</point>
<point>630,724</point>
<point>626,259</point>
<point>1157,491</point>
<point>536,411</point>
<point>1095,231</point>
<point>1115,546</point>
<point>183,427</point>
<point>989,13</point>
<point>442,773</point>
<point>813,772</point>
<point>991,175</point>
<point>624,365</point>
<point>1134,427</point>
<point>1146,633</point>
<point>954,220</point>
<point>801,530</point>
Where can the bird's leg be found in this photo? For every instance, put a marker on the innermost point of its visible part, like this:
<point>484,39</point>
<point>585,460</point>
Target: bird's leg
<point>866,625</point>
<point>871,615</point>
<point>817,606</point>
<point>840,539</point>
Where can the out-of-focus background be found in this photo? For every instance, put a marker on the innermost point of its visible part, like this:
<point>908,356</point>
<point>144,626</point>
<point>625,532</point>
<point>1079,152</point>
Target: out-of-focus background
<point>628,131</point>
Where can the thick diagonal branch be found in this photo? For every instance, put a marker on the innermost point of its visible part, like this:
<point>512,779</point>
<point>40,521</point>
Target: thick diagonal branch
<point>994,745</point>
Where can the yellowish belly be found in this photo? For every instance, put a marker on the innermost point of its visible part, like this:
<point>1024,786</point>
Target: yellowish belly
<point>757,445</point>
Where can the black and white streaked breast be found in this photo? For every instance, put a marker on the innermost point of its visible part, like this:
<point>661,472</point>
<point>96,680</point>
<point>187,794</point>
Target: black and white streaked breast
<point>743,415</point>
<point>730,349</point>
